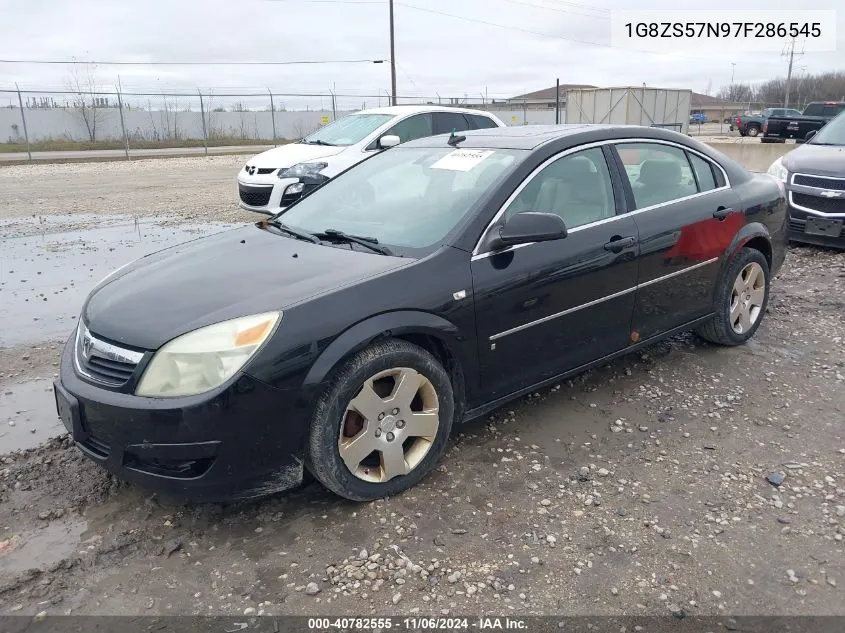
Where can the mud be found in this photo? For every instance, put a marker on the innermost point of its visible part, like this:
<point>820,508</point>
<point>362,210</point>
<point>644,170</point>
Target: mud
<point>49,267</point>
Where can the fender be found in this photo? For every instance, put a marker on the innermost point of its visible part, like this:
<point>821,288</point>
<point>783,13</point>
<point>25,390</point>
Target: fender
<point>747,233</point>
<point>358,336</point>
<point>751,231</point>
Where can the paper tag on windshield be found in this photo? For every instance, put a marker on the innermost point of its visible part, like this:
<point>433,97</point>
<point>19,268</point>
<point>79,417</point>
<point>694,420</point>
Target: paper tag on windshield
<point>462,159</point>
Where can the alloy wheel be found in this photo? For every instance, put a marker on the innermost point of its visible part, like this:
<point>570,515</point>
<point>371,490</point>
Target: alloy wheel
<point>749,291</point>
<point>390,425</point>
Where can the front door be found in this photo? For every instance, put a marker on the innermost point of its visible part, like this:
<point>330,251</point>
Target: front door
<point>687,216</point>
<point>547,307</point>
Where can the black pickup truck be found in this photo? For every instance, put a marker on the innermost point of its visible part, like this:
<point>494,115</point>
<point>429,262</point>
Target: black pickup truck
<point>776,129</point>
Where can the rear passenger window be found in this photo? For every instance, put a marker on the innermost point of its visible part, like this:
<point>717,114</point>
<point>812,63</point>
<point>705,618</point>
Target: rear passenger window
<point>482,122</point>
<point>657,173</point>
<point>446,122</point>
<point>703,172</point>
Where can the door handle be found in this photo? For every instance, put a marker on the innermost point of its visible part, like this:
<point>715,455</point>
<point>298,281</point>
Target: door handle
<point>618,244</point>
<point>721,213</point>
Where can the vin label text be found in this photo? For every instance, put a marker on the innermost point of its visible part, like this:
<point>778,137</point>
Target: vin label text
<point>703,32</point>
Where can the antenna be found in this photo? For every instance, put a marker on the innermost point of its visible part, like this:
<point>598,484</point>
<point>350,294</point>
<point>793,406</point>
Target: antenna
<point>454,140</point>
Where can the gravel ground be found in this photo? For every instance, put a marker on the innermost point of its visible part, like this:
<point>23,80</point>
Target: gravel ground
<point>187,189</point>
<point>686,479</point>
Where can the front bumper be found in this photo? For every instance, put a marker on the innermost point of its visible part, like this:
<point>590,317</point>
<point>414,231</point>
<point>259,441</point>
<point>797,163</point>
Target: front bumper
<point>805,204</point>
<point>264,194</point>
<point>798,226</point>
<point>242,441</point>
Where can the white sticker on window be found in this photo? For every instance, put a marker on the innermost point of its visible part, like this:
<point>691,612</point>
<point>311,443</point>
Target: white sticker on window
<point>462,159</point>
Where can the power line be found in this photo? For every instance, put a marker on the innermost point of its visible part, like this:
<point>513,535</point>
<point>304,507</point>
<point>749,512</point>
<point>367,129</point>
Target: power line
<point>600,15</point>
<point>554,36</point>
<point>191,63</point>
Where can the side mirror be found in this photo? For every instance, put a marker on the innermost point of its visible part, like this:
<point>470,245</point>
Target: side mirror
<point>810,134</point>
<point>528,227</point>
<point>389,140</point>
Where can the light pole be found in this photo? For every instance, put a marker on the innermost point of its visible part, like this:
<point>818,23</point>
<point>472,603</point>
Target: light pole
<point>733,70</point>
<point>392,60</point>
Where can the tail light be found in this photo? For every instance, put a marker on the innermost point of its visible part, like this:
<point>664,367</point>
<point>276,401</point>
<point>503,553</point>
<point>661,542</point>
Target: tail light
<point>738,121</point>
<point>765,126</point>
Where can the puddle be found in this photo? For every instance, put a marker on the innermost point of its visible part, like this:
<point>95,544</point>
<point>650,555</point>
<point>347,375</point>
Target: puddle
<point>40,548</point>
<point>31,408</point>
<point>45,277</point>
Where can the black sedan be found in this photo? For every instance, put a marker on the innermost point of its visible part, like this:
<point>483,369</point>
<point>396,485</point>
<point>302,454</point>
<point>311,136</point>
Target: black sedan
<point>426,285</point>
<point>814,177</point>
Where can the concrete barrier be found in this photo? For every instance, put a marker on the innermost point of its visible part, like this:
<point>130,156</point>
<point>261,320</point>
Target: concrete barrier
<point>753,156</point>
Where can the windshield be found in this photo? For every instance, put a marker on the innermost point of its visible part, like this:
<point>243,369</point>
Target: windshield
<point>348,130</point>
<point>404,197</point>
<point>831,134</point>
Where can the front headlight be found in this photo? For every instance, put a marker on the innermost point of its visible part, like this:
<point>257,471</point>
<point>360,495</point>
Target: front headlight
<point>301,170</point>
<point>205,358</point>
<point>778,171</point>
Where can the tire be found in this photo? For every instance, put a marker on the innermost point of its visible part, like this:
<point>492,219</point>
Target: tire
<point>753,130</point>
<point>722,329</point>
<point>362,386</point>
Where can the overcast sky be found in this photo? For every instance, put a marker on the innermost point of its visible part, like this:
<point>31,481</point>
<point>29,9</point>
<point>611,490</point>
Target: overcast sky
<point>436,54</point>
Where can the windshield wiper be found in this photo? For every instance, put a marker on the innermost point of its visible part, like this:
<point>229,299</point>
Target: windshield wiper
<point>369,242</point>
<point>319,142</point>
<point>302,235</point>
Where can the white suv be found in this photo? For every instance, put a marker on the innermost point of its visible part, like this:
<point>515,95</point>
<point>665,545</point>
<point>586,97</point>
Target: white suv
<point>278,177</point>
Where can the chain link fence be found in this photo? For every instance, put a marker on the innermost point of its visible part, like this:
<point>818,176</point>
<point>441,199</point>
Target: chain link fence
<point>43,120</point>
<point>33,120</point>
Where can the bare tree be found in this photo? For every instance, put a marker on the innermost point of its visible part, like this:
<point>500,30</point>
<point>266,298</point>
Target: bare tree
<point>82,82</point>
<point>829,86</point>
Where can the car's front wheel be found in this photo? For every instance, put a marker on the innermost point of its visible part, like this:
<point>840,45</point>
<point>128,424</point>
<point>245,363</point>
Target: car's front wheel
<point>741,300</point>
<point>383,422</point>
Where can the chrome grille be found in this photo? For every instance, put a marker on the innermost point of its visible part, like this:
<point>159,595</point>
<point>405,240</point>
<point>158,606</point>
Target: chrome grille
<point>819,182</point>
<point>102,361</point>
<point>817,203</point>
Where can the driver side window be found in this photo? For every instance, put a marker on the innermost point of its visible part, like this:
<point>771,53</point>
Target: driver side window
<point>576,187</point>
<point>412,128</point>
<point>409,129</point>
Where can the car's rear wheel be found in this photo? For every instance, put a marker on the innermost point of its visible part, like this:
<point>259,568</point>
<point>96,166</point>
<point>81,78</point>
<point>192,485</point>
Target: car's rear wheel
<point>383,422</point>
<point>753,130</point>
<point>741,300</point>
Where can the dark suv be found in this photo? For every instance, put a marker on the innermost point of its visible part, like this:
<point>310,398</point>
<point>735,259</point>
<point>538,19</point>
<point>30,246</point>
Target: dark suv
<point>814,176</point>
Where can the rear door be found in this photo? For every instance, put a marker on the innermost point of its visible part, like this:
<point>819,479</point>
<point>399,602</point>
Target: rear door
<point>687,215</point>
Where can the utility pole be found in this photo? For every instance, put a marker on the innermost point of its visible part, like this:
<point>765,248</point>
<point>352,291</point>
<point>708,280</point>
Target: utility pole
<point>789,72</point>
<point>733,70</point>
<point>392,59</point>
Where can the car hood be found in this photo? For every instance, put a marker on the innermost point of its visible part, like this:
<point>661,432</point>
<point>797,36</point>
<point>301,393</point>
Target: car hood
<point>291,154</point>
<point>235,273</point>
<point>822,160</point>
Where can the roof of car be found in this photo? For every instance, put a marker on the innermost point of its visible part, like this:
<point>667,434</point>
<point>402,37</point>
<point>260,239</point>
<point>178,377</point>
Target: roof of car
<point>529,136</point>
<point>413,109</point>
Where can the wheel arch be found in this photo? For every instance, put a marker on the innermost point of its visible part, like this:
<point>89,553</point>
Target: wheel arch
<point>440,337</point>
<point>753,235</point>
